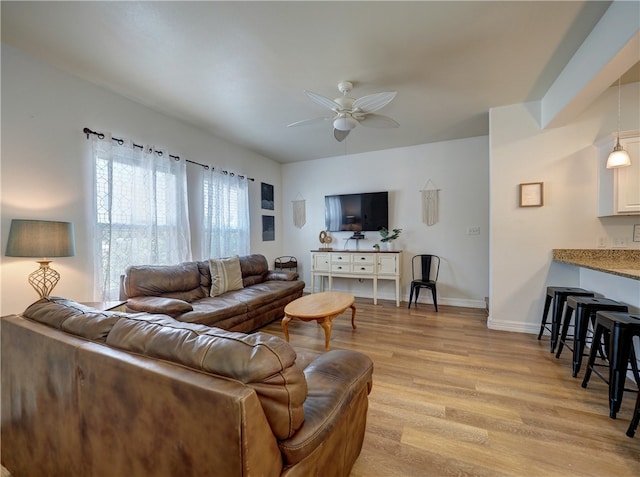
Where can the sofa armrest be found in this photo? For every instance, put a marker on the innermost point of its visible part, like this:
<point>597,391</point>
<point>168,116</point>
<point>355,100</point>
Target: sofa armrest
<point>338,383</point>
<point>282,275</point>
<point>156,304</point>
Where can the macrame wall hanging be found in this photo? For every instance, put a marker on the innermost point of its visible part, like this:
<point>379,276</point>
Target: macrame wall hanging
<point>299,212</point>
<point>430,203</point>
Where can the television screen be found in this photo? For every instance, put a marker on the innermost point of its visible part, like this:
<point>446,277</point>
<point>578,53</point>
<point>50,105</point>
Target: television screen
<point>367,212</point>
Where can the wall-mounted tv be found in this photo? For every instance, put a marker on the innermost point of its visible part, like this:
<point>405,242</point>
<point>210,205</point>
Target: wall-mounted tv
<point>367,212</point>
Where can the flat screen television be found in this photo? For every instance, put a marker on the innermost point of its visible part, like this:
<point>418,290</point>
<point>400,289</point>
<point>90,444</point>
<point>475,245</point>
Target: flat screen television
<point>367,212</point>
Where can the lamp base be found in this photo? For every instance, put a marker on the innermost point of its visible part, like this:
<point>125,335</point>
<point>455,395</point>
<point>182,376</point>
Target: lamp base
<point>44,279</point>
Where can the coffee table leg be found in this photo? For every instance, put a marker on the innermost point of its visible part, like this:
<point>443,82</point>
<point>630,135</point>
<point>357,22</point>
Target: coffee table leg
<point>353,316</point>
<point>285,326</point>
<point>327,324</point>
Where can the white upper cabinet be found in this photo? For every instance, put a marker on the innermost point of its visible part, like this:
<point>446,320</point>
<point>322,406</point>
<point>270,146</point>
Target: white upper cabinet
<point>619,189</point>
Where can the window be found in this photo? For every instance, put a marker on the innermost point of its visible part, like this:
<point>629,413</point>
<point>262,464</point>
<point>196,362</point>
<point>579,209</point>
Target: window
<point>140,212</point>
<point>226,211</point>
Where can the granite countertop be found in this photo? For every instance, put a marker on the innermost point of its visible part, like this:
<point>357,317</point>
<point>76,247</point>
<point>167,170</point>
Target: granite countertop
<point>624,263</point>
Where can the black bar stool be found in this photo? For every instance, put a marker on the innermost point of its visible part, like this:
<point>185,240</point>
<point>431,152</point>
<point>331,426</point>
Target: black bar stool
<point>621,328</point>
<point>635,420</point>
<point>586,308</point>
<point>559,296</point>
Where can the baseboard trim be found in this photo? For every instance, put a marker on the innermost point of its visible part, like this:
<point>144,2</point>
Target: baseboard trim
<point>461,302</point>
<point>515,326</point>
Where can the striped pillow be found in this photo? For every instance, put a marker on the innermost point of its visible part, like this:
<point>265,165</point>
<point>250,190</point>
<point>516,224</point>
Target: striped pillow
<point>225,275</point>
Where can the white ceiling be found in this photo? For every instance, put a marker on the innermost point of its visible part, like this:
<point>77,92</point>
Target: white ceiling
<point>239,69</point>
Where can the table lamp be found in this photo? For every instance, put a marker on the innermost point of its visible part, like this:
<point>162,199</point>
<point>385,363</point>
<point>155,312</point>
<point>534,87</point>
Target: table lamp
<point>41,238</point>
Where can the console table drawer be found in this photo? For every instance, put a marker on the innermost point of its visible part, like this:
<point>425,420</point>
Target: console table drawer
<point>340,267</point>
<point>340,258</point>
<point>366,259</point>
<point>367,268</point>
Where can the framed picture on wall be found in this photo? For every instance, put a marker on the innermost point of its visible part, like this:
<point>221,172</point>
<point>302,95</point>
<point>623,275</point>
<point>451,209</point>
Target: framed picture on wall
<point>531,194</point>
<point>267,196</point>
<point>268,228</point>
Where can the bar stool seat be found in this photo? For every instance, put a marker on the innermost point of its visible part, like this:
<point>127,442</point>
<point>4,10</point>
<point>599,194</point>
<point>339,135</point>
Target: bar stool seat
<point>621,328</point>
<point>557,295</point>
<point>586,308</point>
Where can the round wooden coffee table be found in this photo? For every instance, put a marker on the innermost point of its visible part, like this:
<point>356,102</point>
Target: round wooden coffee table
<point>321,307</point>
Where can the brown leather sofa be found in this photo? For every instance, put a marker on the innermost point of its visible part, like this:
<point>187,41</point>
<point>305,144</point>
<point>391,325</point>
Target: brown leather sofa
<point>91,393</point>
<point>183,292</point>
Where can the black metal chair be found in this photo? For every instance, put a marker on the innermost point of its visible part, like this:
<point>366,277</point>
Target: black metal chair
<point>424,272</point>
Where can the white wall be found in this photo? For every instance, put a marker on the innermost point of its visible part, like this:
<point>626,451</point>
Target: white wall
<point>46,174</point>
<point>522,239</point>
<point>458,168</point>
<point>46,164</point>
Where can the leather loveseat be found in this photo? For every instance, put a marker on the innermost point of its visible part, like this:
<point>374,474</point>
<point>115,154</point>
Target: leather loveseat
<point>185,292</point>
<point>92,393</point>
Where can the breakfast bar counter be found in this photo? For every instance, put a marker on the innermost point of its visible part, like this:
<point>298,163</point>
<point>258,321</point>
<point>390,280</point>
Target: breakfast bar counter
<point>624,263</point>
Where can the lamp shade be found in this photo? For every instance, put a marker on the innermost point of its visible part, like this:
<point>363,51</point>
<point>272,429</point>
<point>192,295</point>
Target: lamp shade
<point>618,158</point>
<point>346,123</point>
<point>40,238</point>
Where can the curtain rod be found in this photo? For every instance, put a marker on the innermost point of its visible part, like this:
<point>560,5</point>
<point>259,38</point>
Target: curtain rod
<point>100,135</point>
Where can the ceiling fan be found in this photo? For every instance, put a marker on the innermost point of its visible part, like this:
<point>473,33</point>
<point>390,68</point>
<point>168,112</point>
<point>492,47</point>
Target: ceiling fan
<point>349,112</point>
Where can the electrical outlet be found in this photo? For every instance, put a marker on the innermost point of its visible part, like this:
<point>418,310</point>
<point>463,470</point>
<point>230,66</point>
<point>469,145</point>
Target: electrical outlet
<point>602,242</point>
<point>473,230</point>
<point>619,242</point>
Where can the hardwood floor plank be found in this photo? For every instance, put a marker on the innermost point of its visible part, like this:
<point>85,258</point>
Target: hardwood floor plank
<point>452,398</point>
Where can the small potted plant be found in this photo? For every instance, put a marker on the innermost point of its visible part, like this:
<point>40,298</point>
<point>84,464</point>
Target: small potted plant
<point>388,237</point>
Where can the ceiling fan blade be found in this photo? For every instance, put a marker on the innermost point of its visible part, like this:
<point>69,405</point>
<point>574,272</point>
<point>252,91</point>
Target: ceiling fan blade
<point>340,135</point>
<point>306,122</point>
<point>378,121</point>
<point>374,102</point>
<point>322,101</point>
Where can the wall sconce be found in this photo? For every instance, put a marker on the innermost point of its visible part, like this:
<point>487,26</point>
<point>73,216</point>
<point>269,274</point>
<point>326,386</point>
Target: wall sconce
<point>618,157</point>
<point>41,238</point>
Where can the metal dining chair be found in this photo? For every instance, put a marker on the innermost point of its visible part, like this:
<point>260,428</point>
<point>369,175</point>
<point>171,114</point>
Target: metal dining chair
<point>424,271</point>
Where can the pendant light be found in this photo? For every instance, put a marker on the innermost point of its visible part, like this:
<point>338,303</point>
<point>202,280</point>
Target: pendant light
<point>618,157</point>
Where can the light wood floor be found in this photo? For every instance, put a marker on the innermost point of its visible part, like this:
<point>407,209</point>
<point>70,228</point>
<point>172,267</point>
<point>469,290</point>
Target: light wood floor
<point>453,398</point>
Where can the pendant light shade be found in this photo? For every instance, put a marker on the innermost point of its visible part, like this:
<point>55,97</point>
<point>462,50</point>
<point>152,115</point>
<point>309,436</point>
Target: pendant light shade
<point>618,157</point>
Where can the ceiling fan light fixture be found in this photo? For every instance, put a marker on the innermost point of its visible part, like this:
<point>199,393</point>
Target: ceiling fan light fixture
<point>346,123</point>
<point>348,112</point>
<point>618,157</point>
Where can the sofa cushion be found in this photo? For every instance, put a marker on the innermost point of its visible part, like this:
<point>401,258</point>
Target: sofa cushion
<point>211,310</point>
<point>180,281</point>
<point>254,269</point>
<point>264,362</point>
<point>72,317</point>
<point>157,304</point>
<point>226,275</point>
<point>257,295</point>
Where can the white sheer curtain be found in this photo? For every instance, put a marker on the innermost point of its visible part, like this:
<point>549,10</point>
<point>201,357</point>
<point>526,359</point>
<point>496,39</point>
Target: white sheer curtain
<point>226,215</point>
<point>140,211</point>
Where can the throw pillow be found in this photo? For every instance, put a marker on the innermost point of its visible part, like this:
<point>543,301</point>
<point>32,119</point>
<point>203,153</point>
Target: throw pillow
<point>225,275</point>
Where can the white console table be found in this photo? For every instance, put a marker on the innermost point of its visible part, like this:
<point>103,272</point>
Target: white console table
<point>356,264</point>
